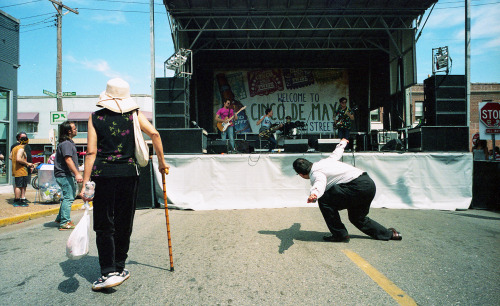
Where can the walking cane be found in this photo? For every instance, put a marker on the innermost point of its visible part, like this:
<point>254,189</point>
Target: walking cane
<point>168,223</point>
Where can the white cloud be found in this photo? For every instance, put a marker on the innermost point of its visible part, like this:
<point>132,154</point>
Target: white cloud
<point>99,65</point>
<point>110,17</point>
<point>442,19</point>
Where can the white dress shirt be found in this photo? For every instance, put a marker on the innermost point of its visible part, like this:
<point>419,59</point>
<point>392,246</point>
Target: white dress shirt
<point>329,171</point>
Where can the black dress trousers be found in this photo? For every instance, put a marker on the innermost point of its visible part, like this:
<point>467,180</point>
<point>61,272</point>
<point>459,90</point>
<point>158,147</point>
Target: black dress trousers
<point>355,196</point>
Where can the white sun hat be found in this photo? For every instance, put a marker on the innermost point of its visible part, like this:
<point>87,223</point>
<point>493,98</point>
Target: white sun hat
<point>117,98</point>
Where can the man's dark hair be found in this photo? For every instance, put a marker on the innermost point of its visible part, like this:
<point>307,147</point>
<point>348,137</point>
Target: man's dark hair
<point>18,136</point>
<point>302,166</point>
<point>64,130</point>
<point>342,99</point>
<point>268,110</point>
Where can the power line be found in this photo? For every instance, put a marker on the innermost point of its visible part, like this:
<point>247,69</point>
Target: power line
<point>36,16</point>
<point>49,26</point>
<point>46,20</point>
<point>20,3</point>
<point>462,6</point>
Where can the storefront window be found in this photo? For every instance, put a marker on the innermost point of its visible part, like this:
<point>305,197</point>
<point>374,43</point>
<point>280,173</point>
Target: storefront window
<point>4,134</point>
<point>4,105</point>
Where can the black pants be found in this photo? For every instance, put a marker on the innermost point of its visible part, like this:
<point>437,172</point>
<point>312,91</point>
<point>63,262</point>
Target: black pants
<point>114,210</point>
<point>355,196</point>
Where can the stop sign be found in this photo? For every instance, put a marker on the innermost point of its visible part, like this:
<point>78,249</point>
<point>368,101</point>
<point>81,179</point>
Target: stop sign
<point>489,114</point>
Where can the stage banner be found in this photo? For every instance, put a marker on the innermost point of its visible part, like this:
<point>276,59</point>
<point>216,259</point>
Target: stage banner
<point>306,95</point>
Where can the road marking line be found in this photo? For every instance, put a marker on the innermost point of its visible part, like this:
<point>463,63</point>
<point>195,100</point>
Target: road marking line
<point>399,295</point>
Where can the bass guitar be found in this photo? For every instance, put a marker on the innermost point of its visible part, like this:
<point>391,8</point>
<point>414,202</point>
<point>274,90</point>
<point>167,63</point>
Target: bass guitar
<point>222,126</point>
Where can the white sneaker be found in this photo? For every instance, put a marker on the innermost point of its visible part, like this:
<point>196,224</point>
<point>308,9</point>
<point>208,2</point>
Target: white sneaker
<point>108,281</point>
<point>124,275</point>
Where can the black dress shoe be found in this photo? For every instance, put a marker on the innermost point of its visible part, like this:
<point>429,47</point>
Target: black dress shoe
<point>395,234</point>
<point>337,239</point>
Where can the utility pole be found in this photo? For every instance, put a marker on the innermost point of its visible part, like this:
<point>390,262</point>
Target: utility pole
<point>58,5</point>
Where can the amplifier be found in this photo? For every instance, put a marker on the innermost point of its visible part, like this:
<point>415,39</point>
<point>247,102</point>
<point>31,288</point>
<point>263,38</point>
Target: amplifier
<point>327,145</point>
<point>184,141</point>
<point>439,138</point>
<point>296,145</point>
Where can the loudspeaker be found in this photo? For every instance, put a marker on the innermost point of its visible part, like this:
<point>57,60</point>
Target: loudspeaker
<point>171,107</point>
<point>245,146</point>
<point>296,145</point>
<point>439,138</point>
<point>445,102</point>
<point>218,146</point>
<point>145,190</point>
<point>327,145</point>
<point>184,141</point>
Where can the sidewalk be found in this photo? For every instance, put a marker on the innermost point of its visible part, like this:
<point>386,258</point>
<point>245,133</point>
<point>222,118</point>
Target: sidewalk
<point>11,215</point>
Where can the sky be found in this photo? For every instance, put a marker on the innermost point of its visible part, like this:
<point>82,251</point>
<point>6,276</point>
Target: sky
<point>111,38</point>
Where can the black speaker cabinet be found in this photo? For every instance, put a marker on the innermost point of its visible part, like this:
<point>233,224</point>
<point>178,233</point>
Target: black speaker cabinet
<point>184,141</point>
<point>296,145</point>
<point>327,145</point>
<point>145,190</point>
<point>171,108</point>
<point>218,146</point>
<point>439,138</point>
<point>445,102</point>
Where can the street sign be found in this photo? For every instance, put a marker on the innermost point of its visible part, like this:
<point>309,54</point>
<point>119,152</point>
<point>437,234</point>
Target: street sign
<point>69,93</point>
<point>489,114</point>
<point>489,119</point>
<point>49,93</point>
<point>58,117</point>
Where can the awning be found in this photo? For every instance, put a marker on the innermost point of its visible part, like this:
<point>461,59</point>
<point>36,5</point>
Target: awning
<point>79,116</point>
<point>27,117</point>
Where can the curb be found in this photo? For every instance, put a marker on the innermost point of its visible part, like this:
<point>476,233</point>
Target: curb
<point>35,215</point>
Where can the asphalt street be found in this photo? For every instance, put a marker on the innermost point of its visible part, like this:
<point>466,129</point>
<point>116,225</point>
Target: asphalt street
<point>265,257</point>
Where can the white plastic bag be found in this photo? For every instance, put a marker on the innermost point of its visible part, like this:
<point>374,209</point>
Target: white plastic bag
<point>79,240</point>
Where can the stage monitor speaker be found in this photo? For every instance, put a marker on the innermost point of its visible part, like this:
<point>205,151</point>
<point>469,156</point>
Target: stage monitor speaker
<point>445,102</point>
<point>218,146</point>
<point>439,138</point>
<point>145,190</point>
<point>327,145</point>
<point>296,145</point>
<point>184,141</point>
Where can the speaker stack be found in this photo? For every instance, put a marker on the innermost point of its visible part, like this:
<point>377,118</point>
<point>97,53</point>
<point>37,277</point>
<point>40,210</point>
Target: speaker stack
<point>445,102</point>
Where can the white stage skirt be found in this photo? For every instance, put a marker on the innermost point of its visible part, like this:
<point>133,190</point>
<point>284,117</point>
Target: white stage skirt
<point>437,180</point>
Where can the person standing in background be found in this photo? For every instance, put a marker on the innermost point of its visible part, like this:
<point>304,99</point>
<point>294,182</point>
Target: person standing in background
<point>342,119</point>
<point>66,171</point>
<point>20,166</point>
<point>223,116</point>
<point>29,157</point>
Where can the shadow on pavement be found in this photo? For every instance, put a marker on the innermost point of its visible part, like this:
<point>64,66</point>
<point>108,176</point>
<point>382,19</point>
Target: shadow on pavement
<point>87,267</point>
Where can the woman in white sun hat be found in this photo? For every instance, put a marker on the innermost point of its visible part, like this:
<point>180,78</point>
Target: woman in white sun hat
<point>110,162</point>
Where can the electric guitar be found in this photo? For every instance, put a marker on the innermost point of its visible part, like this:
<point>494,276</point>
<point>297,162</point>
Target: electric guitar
<point>222,126</point>
<point>266,132</point>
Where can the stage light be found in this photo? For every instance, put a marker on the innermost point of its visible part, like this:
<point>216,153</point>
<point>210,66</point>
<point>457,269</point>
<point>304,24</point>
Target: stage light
<point>441,59</point>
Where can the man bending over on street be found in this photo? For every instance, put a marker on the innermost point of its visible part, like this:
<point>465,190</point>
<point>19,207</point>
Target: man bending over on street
<point>337,186</point>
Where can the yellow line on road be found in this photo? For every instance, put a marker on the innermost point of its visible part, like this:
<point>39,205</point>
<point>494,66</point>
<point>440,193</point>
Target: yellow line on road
<point>399,295</point>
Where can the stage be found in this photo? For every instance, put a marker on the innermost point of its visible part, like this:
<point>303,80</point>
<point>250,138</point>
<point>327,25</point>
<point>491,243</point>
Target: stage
<point>434,180</point>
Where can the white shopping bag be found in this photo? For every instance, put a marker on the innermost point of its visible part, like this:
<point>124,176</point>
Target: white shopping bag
<point>79,240</point>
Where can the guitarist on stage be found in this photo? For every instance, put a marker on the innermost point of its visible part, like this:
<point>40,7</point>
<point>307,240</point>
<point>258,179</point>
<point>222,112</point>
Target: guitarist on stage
<point>266,125</point>
<point>224,115</point>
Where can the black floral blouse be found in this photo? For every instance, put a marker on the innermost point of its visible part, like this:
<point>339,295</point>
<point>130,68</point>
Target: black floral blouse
<point>115,144</point>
